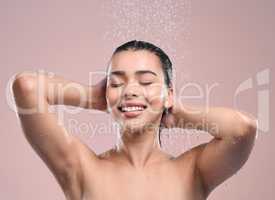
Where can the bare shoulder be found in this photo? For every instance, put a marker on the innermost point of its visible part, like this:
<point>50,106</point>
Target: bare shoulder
<point>189,158</point>
<point>106,154</point>
<point>86,156</point>
<point>189,155</point>
<point>187,168</point>
<point>86,153</point>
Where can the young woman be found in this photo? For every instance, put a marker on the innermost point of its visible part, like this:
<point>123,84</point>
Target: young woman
<point>138,93</point>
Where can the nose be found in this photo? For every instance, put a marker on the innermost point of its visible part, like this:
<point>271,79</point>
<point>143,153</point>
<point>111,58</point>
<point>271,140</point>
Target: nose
<point>131,90</point>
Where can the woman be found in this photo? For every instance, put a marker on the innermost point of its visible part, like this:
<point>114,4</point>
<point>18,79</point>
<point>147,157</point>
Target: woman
<point>138,93</point>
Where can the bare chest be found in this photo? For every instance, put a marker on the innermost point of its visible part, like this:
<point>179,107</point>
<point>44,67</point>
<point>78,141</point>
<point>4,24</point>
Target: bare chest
<point>158,183</point>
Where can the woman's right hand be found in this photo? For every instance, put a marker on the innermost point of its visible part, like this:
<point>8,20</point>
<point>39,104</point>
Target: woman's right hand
<point>98,98</point>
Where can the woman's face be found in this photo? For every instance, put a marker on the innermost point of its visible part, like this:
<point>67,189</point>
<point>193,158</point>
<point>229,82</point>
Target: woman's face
<point>136,92</point>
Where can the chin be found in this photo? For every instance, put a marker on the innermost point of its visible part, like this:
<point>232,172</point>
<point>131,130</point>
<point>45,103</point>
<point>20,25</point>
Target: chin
<point>137,126</point>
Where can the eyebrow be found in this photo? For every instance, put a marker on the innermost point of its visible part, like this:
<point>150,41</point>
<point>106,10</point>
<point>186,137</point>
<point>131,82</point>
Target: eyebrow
<point>140,72</point>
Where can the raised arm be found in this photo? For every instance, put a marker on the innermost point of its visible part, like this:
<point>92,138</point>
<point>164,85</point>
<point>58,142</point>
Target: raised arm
<point>61,152</point>
<point>234,134</point>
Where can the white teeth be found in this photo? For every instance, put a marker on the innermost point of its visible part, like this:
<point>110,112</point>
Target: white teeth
<point>133,108</point>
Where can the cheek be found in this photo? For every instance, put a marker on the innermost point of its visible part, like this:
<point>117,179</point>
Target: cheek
<point>155,96</point>
<point>112,97</point>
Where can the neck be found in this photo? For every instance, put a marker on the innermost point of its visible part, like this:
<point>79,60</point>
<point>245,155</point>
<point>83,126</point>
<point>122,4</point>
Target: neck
<point>139,148</point>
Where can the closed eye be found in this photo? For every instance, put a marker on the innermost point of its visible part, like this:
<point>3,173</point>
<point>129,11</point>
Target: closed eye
<point>116,84</point>
<point>146,83</point>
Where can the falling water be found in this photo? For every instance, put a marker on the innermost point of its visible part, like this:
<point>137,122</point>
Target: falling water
<point>162,22</point>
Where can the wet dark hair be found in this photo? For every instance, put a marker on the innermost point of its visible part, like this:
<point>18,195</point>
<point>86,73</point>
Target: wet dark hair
<point>166,63</point>
<point>135,45</point>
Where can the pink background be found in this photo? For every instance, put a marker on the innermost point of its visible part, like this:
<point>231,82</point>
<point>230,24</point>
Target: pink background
<point>216,41</point>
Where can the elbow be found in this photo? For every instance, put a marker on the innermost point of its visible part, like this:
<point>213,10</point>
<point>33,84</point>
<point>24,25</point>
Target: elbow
<point>251,128</point>
<point>248,128</point>
<point>28,94</point>
<point>24,83</point>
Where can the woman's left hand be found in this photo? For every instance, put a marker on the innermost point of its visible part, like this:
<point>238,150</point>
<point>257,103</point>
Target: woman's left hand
<point>170,119</point>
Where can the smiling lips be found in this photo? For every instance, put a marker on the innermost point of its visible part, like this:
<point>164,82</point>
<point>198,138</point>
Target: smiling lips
<point>131,109</point>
